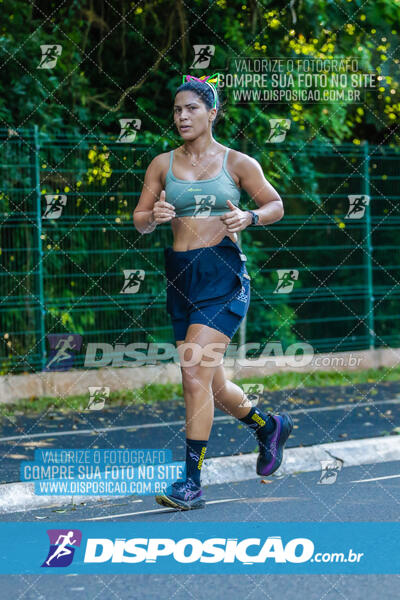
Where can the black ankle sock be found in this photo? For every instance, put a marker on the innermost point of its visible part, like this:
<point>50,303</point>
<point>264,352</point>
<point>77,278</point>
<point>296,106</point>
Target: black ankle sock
<point>195,452</point>
<point>262,424</point>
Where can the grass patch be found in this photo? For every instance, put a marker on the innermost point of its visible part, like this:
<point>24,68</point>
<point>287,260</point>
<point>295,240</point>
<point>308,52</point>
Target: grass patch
<point>172,392</point>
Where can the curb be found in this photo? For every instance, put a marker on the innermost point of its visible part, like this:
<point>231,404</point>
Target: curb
<point>20,496</point>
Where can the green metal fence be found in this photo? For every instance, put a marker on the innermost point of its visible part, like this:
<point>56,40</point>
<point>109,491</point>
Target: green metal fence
<point>65,274</point>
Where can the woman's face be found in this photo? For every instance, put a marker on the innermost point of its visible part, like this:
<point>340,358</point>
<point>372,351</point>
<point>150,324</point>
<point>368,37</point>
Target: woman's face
<point>191,115</point>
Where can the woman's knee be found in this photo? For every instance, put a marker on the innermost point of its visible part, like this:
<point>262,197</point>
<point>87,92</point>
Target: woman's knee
<point>196,379</point>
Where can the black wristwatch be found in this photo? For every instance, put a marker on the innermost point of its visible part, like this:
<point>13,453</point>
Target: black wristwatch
<point>254,217</point>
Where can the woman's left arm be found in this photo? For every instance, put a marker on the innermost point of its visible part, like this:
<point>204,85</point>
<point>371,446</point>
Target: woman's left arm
<point>266,197</point>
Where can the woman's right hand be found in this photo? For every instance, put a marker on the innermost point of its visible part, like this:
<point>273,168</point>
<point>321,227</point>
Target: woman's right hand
<point>163,211</point>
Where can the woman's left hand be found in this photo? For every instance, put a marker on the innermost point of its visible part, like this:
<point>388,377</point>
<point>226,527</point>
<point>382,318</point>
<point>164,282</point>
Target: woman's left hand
<point>236,219</point>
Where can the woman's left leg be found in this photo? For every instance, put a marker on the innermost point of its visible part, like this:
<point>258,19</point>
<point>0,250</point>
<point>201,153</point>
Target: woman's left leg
<point>272,431</point>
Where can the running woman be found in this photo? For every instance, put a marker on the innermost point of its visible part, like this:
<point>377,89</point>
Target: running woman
<point>196,188</point>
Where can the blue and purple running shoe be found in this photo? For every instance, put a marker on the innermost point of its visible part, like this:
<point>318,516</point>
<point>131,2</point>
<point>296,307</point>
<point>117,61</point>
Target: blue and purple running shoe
<point>185,495</point>
<point>271,450</point>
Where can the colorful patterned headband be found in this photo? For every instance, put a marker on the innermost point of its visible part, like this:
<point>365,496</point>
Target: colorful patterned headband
<point>210,80</point>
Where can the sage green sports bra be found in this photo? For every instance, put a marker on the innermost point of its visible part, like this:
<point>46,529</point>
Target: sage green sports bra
<point>202,197</point>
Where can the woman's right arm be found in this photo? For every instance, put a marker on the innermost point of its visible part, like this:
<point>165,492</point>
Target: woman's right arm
<point>152,209</point>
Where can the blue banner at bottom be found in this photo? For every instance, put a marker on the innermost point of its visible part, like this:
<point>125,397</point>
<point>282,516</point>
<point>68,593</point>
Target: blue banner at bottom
<point>137,547</point>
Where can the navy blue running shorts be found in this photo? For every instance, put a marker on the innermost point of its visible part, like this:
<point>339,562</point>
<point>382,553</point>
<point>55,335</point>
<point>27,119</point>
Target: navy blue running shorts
<point>208,285</point>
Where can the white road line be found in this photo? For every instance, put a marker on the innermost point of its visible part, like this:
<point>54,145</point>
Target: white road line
<point>375,479</point>
<point>144,512</point>
<point>97,430</point>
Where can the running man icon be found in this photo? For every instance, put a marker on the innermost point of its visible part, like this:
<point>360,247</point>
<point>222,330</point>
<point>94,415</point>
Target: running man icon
<point>62,542</point>
<point>357,206</point>
<point>63,347</point>
<point>61,549</point>
<point>286,280</point>
<point>50,54</point>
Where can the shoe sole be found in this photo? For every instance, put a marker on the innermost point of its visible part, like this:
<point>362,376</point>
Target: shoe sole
<point>169,501</point>
<point>282,441</point>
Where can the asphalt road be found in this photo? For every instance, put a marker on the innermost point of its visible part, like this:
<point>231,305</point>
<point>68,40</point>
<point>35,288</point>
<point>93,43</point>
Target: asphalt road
<point>321,415</point>
<point>201,587</point>
<point>283,499</point>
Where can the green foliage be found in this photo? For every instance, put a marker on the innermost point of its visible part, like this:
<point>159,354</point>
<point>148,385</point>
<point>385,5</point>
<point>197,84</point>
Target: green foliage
<point>126,60</point>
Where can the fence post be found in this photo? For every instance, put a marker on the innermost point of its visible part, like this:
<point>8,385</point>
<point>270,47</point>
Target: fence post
<point>368,253</point>
<point>38,273</point>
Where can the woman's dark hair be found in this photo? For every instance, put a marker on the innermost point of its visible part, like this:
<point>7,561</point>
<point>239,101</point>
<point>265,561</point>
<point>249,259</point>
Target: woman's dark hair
<point>205,93</point>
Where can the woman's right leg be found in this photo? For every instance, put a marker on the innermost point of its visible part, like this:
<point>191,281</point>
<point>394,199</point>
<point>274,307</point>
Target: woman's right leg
<point>197,369</point>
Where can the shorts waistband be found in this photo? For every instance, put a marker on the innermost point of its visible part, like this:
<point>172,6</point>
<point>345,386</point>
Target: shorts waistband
<point>226,241</point>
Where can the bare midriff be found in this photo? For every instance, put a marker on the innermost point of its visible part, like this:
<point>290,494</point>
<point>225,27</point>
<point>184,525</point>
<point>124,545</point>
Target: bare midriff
<point>194,232</point>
